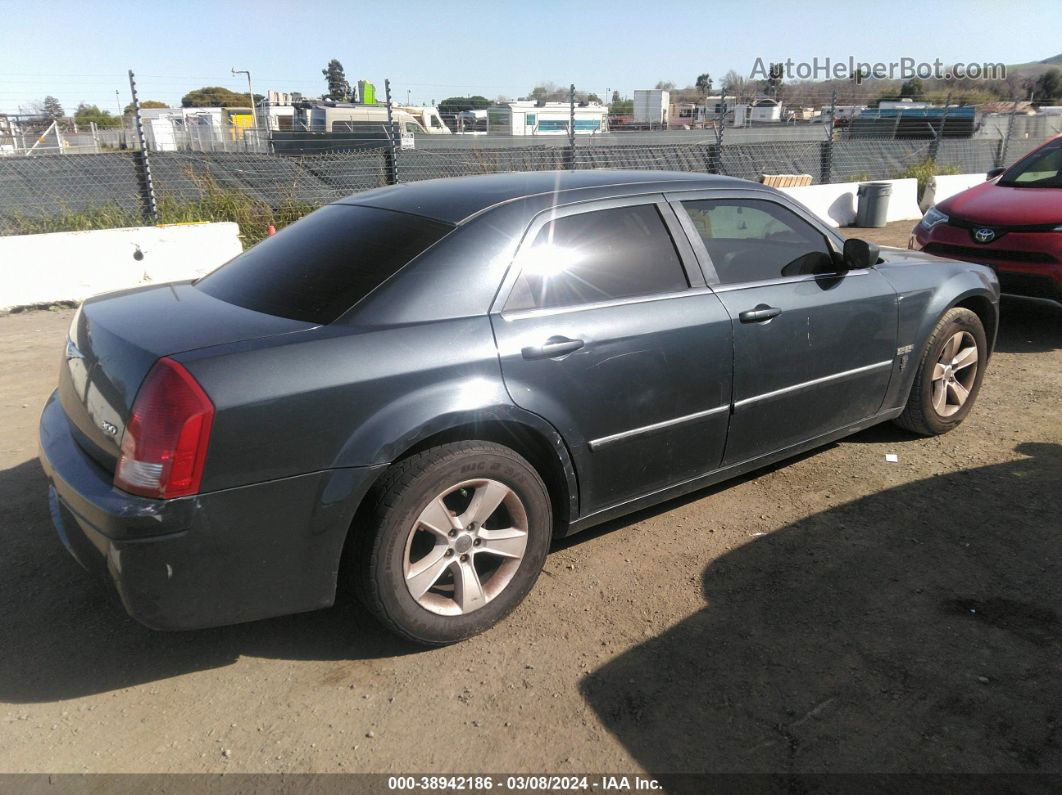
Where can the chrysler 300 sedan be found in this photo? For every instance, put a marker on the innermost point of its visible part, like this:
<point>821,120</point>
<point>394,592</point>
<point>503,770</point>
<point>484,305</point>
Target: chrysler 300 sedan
<point>416,389</point>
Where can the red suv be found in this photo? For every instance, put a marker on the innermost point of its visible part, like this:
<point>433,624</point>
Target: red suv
<point>1013,223</point>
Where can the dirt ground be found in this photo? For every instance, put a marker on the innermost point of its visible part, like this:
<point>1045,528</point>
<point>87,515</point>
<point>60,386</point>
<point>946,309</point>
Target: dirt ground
<point>835,613</point>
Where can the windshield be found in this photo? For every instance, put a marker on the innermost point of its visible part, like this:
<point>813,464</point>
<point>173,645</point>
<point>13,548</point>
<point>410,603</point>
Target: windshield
<point>318,268</point>
<point>1042,169</point>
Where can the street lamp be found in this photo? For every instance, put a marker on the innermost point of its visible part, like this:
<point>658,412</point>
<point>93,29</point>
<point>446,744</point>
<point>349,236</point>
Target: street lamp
<point>250,91</point>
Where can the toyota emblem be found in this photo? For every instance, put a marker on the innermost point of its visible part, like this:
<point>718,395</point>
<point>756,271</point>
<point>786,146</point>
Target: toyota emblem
<point>984,235</point>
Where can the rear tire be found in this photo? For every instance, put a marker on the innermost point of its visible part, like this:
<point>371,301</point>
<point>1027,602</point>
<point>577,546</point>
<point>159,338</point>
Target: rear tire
<point>949,375</point>
<point>457,537</point>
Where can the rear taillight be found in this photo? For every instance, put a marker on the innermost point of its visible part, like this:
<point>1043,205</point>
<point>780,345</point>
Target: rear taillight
<point>165,442</point>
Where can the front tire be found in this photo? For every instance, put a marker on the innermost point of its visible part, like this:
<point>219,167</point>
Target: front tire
<point>949,375</point>
<point>458,536</point>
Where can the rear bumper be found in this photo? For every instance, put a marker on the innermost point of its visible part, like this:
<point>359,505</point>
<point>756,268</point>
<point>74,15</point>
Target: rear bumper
<point>211,559</point>
<point>1027,263</point>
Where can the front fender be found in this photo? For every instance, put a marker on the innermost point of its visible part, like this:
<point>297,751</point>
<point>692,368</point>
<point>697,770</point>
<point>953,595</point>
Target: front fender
<point>926,288</point>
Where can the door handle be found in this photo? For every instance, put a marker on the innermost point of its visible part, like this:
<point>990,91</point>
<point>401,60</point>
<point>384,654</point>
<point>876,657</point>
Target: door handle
<point>759,314</point>
<point>553,347</point>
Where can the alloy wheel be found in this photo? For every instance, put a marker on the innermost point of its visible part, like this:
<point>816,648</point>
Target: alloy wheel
<point>465,547</point>
<point>954,373</point>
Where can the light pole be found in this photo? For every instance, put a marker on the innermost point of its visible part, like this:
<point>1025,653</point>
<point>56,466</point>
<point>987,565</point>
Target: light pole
<point>250,91</point>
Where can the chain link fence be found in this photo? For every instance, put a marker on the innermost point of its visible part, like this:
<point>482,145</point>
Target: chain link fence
<point>101,189</point>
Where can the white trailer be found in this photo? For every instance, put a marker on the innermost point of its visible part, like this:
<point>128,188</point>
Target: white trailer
<point>651,106</point>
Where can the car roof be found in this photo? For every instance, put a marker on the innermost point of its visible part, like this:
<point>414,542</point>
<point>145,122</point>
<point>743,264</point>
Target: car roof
<point>458,199</point>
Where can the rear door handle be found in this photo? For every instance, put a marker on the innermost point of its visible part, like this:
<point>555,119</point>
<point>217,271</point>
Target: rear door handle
<point>553,347</point>
<point>759,314</point>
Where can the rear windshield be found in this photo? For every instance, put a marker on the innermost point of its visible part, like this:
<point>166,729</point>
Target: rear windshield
<point>317,269</point>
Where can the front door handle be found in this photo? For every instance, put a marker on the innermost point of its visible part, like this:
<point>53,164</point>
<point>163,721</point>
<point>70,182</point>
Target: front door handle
<point>759,314</point>
<point>554,346</point>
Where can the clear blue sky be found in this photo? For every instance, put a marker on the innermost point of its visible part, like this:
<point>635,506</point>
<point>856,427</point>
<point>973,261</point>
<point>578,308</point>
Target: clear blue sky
<point>80,51</point>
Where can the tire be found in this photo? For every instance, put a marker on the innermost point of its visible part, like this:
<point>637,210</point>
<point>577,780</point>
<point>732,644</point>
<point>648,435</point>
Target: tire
<point>410,505</point>
<point>925,412</point>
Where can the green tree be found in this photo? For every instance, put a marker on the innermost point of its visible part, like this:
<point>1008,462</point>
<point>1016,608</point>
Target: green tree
<point>338,87</point>
<point>454,105</point>
<point>665,85</point>
<point>1048,87</point>
<point>616,97</point>
<point>86,114</point>
<point>147,103</point>
<point>773,84</point>
<point>704,84</point>
<point>216,97</point>
<point>551,92</point>
<point>52,109</point>
<point>913,89</point>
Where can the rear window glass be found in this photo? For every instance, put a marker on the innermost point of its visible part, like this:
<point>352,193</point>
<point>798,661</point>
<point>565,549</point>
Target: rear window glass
<point>318,268</point>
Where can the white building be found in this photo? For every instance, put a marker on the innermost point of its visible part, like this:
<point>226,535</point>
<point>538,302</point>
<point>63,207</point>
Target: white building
<point>527,117</point>
<point>277,111</point>
<point>651,106</point>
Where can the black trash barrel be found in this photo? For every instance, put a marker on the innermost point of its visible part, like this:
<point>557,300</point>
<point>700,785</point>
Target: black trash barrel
<point>873,204</point>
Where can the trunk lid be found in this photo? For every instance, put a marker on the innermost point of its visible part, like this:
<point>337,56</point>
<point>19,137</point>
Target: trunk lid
<point>116,339</point>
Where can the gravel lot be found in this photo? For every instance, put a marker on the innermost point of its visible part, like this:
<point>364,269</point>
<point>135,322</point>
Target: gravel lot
<point>836,613</point>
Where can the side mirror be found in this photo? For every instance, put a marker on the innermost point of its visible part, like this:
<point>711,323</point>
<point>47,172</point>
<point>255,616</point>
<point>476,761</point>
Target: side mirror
<point>993,173</point>
<point>859,254</point>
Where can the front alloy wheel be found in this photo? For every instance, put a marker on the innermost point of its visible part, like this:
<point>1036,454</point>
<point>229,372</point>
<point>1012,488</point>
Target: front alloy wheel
<point>954,373</point>
<point>949,374</point>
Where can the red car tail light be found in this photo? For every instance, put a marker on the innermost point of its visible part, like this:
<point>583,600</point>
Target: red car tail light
<point>166,438</point>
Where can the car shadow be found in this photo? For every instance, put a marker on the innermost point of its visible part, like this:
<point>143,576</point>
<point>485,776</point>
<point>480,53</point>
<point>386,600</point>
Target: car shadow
<point>914,630</point>
<point>65,633</point>
<point>1029,325</point>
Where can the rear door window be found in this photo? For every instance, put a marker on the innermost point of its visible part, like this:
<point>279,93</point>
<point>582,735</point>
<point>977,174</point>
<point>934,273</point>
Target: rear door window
<point>595,256</point>
<point>318,268</point>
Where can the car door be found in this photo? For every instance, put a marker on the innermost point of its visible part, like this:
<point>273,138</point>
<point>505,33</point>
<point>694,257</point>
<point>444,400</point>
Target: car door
<point>814,345</point>
<point>605,328</point>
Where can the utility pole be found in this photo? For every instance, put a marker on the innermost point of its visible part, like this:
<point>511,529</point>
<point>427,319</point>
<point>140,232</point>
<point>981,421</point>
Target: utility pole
<point>250,92</point>
<point>118,101</point>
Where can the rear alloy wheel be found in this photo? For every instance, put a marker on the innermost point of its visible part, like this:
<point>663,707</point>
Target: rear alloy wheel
<point>949,375</point>
<point>465,547</point>
<point>460,535</point>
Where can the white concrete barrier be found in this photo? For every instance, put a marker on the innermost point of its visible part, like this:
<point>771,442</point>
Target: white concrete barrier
<point>945,186</point>
<point>71,266</point>
<point>836,202</point>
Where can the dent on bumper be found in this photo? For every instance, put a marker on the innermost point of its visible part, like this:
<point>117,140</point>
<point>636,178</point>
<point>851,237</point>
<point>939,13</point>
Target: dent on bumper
<point>217,558</point>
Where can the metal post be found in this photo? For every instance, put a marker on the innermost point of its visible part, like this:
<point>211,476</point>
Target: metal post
<point>1001,158</point>
<point>571,127</point>
<point>151,208</point>
<point>934,147</point>
<point>826,152</point>
<point>392,134</point>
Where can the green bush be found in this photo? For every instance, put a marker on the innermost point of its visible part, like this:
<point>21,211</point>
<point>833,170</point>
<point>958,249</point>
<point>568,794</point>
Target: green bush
<point>922,171</point>
<point>215,203</point>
